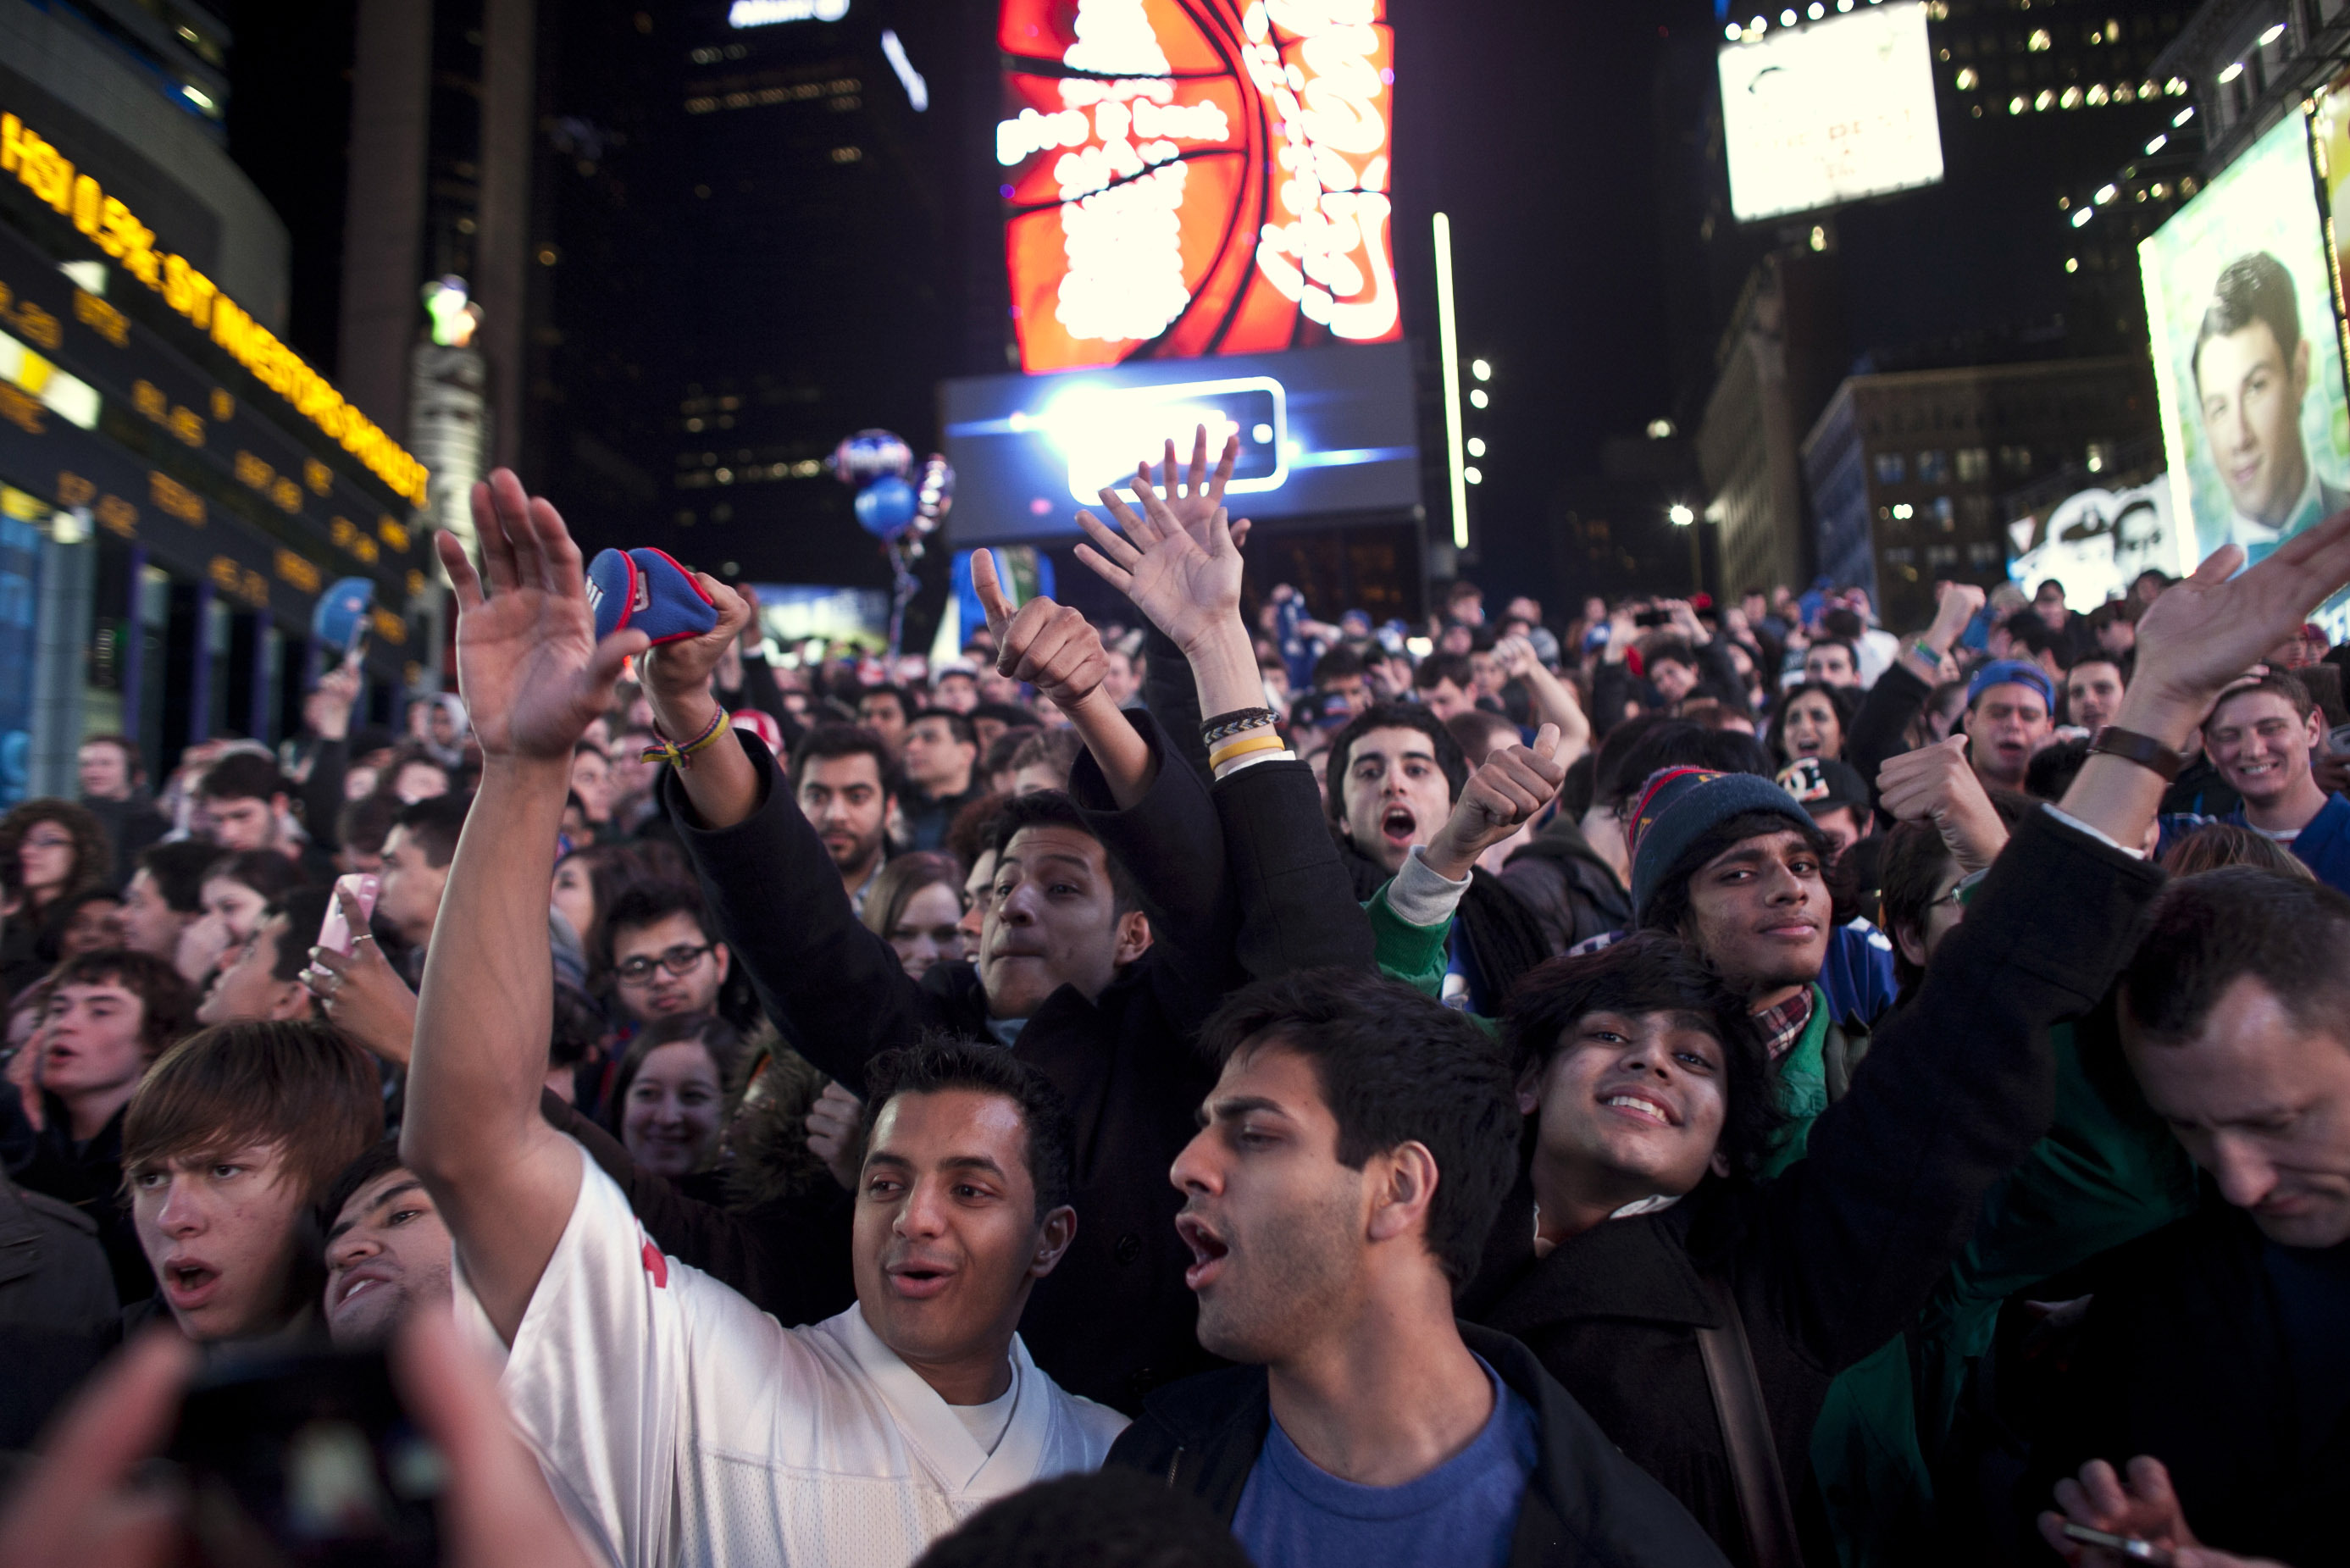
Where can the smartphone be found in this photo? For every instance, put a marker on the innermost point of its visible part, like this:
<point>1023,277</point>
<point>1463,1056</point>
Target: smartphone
<point>306,1459</point>
<point>2129,1546</point>
<point>335,931</point>
<point>1652,617</point>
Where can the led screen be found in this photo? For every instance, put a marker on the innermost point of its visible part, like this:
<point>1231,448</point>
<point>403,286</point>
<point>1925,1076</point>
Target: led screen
<point>1831,113</point>
<point>1322,431</point>
<point>1194,177</point>
<point>2247,359</point>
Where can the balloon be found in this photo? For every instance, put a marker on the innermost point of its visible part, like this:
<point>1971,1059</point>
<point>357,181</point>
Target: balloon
<point>870,455</point>
<point>935,492</point>
<point>886,507</point>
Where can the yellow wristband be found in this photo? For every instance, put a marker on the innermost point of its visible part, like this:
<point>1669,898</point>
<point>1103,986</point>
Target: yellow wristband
<point>1245,747</point>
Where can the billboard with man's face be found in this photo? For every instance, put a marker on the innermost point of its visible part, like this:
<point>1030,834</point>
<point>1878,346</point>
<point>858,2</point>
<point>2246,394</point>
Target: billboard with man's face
<point>2248,360</point>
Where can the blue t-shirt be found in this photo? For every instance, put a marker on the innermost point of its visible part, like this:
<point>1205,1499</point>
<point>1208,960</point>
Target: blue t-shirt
<point>1460,1514</point>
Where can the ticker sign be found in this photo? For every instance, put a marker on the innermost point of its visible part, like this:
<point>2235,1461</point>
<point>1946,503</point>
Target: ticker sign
<point>1191,177</point>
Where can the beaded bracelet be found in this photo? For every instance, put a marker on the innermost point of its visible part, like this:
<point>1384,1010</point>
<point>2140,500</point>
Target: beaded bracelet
<point>682,756</point>
<point>1245,746</point>
<point>1224,726</point>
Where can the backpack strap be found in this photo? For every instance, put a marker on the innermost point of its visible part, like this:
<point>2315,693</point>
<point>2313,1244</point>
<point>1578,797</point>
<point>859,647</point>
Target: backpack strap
<point>1763,1503</point>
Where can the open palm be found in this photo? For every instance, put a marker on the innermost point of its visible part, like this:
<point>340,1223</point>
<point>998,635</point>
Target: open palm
<point>1194,495</point>
<point>528,665</point>
<point>1187,586</point>
<point>2211,626</point>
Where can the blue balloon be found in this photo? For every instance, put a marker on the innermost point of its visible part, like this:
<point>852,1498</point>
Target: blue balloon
<point>886,507</point>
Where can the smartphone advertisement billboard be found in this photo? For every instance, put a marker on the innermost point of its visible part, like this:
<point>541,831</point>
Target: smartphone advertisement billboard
<point>2240,298</point>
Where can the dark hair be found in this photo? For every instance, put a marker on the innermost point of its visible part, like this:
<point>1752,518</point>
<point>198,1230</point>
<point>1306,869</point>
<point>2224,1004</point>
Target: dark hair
<point>1002,753</point>
<point>377,1161</point>
<point>635,907</point>
<point>1111,1518</point>
<point>1669,650</point>
<point>265,871</point>
<point>435,823</point>
<point>973,833</point>
<point>1009,714</point>
<point>1392,716</point>
<point>1394,1067</point>
<point>242,775</point>
<point>2217,844</point>
<point>1842,626</point>
<point>1839,698</point>
<point>904,698</point>
<point>1914,859</point>
<point>178,869</point>
<point>1438,667</point>
<point>2204,933</point>
<point>1685,743</point>
<point>2284,683</point>
<point>1668,908</point>
<point>1651,972</point>
<point>305,910</point>
<point>1474,729</point>
<point>299,1086</point>
<point>2026,628</point>
<point>1054,808</point>
<point>578,1028</point>
<point>93,856</point>
<point>1338,664</point>
<point>168,1003</point>
<point>828,741</point>
<point>1608,761</point>
<point>364,823</point>
<point>133,763</point>
<point>2053,769</point>
<point>965,732</point>
<point>1851,651</point>
<point>938,1064</point>
<point>1051,748</point>
<point>2251,288</point>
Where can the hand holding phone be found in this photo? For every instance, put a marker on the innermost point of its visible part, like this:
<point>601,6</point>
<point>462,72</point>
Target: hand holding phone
<point>335,930</point>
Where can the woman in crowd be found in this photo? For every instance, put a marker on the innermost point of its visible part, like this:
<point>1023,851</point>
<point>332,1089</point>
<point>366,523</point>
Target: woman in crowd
<point>1811,721</point>
<point>917,906</point>
<point>58,851</point>
<point>588,880</point>
<point>238,891</point>
<point>670,1096</point>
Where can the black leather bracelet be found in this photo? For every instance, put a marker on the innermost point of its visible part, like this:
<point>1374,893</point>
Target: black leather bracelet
<point>2143,750</point>
<point>1224,726</point>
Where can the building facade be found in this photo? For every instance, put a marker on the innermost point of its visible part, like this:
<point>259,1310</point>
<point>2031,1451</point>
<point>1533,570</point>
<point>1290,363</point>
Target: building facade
<point>179,487</point>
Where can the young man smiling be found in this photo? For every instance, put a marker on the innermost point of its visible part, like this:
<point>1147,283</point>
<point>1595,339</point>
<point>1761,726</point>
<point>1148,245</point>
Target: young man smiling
<point>2262,737</point>
<point>387,1253</point>
<point>681,1422</point>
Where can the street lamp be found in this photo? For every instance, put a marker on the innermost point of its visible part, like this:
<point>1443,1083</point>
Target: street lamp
<point>1681,517</point>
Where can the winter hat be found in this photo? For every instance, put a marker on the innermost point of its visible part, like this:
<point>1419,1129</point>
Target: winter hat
<point>1678,806</point>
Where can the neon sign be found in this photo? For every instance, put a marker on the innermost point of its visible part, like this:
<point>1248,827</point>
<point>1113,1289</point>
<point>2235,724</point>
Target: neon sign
<point>767,13</point>
<point>1194,177</point>
<point>117,231</point>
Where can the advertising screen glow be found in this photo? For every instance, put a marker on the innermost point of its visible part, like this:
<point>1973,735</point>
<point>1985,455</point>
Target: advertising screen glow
<point>1192,177</point>
<point>1831,113</point>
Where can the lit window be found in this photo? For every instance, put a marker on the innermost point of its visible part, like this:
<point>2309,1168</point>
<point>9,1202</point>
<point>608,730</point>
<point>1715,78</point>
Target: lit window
<point>2176,86</point>
<point>2235,69</point>
<point>2097,95</point>
<point>2043,99</point>
<point>2125,93</point>
<point>1891,468</point>
<point>1476,446</point>
<point>1473,475</point>
<point>1477,397</point>
<point>2272,35</point>
<point>2071,97</point>
<point>2040,42</point>
<point>2072,264</point>
<point>1968,80</point>
<point>2016,106</point>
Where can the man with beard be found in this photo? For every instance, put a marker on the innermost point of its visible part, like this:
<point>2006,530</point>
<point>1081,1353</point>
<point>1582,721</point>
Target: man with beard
<point>842,778</point>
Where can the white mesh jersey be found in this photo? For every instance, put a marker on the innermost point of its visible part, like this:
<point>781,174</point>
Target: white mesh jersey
<point>680,1425</point>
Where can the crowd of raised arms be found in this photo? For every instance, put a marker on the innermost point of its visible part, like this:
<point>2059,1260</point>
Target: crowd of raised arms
<point>1677,1082</point>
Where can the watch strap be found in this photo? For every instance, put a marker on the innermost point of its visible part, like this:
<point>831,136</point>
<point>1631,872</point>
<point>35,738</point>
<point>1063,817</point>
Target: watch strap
<point>2143,750</point>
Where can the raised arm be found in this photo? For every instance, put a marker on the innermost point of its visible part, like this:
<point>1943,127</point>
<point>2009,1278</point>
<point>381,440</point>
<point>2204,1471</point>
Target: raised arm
<point>532,676</point>
<point>1555,700</point>
<point>1055,649</point>
<point>330,763</point>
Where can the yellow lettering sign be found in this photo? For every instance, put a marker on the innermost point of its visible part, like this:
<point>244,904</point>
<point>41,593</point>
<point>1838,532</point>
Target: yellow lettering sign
<point>176,499</point>
<point>392,533</point>
<point>298,571</point>
<point>73,490</point>
<point>390,628</point>
<point>118,516</point>
<point>21,409</point>
<point>102,319</point>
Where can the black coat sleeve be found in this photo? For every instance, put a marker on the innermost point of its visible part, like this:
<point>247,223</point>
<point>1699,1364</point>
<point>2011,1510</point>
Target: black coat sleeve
<point>1612,688</point>
<point>1884,718</point>
<point>1172,696</point>
<point>322,793</point>
<point>1297,903</point>
<point>1954,1090</point>
<point>834,987</point>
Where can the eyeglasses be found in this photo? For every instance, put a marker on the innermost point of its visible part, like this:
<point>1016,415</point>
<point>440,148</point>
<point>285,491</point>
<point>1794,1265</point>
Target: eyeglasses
<point>679,960</point>
<point>1955,897</point>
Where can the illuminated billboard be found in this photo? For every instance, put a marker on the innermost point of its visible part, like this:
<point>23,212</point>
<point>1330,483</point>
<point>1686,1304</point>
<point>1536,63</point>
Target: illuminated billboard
<point>2248,360</point>
<point>1831,113</point>
<point>1322,431</point>
<point>1195,177</point>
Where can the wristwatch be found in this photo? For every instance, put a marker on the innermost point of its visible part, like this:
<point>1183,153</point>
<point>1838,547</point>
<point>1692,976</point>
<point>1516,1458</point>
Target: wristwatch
<point>2143,750</point>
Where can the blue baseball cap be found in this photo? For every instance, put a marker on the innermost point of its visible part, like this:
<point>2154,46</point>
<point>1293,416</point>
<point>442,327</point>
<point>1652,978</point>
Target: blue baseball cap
<point>2012,672</point>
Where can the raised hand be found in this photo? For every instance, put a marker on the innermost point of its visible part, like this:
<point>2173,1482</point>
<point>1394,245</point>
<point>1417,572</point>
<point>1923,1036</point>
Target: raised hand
<point>1190,587</point>
<point>1192,501</point>
<point>1050,646</point>
<point>1937,783</point>
<point>528,664</point>
<point>1501,797</point>
<point>2214,626</point>
<point>676,675</point>
<point>832,1125</point>
<point>337,691</point>
<point>1515,655</point>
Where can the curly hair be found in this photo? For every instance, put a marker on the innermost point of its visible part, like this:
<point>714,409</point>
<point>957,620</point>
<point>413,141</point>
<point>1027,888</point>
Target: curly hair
<point>93,864</point>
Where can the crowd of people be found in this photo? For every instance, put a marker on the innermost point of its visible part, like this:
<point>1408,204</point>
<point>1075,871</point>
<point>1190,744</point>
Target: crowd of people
<point>1688,1082</point>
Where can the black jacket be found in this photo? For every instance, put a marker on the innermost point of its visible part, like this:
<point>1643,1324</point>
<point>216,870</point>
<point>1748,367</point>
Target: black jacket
<point>130,824</point>
<point>1573,894</point>
<point>1239,883</point>
<point>89,1177</point>
<point>1880,730</point>
<point>1828,1260</point>
<point>2183,1357</point>
<point>57,1308</point>
<point>1585,1504</point>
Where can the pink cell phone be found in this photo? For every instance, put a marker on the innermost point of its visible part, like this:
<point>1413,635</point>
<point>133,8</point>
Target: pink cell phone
<point>335,931</point>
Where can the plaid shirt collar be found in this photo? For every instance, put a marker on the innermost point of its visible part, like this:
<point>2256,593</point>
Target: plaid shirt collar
<point>1783,1025</point>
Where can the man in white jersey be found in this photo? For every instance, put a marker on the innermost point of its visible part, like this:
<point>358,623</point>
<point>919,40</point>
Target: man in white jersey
<point>677,1422</point>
